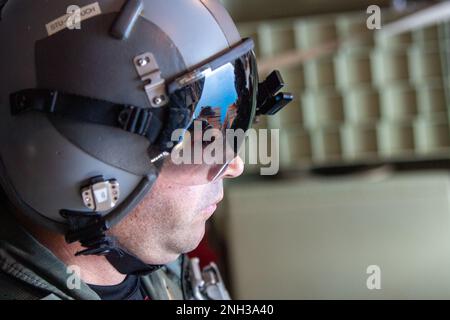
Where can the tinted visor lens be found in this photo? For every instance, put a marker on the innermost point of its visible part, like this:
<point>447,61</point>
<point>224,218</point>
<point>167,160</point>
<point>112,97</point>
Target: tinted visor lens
<point>222,106</point>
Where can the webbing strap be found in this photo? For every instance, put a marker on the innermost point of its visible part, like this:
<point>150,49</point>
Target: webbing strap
<point>140,121</point>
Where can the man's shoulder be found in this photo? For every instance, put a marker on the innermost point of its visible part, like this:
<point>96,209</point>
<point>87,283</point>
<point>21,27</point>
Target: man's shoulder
<point>13,289</point>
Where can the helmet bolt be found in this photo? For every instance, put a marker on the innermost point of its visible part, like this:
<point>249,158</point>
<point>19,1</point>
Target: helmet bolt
<point>143,61</point>
<point>159,100</point>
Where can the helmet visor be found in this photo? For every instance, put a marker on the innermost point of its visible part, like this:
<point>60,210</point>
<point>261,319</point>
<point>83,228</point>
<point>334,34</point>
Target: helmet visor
<point>220,106</point>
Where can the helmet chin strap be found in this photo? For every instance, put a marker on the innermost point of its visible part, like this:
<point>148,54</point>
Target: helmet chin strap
<point>90,229</point>
<point>127,263</point>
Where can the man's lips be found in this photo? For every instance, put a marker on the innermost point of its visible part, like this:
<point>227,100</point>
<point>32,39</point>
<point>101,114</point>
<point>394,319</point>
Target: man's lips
<point>210,209</point>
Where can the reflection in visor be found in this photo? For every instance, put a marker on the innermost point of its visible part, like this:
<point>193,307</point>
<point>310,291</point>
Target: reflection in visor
<point>221,106</point>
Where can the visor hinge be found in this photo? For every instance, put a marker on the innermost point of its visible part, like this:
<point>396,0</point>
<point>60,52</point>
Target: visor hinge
<point>154,85</point>
<point>270,100</point>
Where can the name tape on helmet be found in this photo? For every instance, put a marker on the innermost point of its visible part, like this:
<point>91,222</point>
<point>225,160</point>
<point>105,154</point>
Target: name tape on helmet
<point>73,18</point>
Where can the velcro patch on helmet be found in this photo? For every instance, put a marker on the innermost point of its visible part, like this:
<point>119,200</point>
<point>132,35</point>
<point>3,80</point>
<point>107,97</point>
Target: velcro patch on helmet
<point>73,18</point>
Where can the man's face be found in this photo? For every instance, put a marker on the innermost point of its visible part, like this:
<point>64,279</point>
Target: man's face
<point>171,218</point>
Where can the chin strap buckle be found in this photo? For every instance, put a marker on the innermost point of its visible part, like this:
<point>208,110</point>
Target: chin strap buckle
<point>90,230</point>
<point>135,120</point>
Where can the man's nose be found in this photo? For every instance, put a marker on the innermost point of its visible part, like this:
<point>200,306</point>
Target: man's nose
<point>234,169</point>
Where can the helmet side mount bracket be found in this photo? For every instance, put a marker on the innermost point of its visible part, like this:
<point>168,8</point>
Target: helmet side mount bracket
<point>101,195</point>
<point>154,85</point>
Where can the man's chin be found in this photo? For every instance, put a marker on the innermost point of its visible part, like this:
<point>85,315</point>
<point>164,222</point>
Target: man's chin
<point>186,244</point>
<point>193,243</point>
<point>163,260</point>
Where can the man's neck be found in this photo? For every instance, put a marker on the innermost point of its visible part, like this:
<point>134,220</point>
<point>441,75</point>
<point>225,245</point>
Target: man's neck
<point>95,270</point>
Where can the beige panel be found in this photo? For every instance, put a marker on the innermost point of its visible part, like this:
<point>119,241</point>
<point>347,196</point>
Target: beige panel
<point>315,239</point>
<point>267,9</point>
